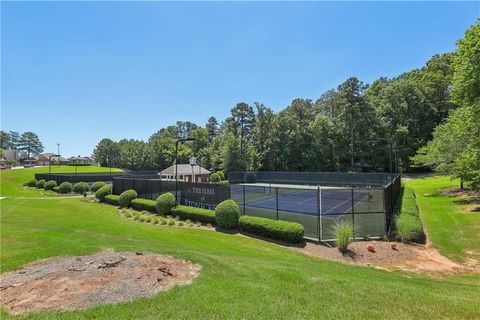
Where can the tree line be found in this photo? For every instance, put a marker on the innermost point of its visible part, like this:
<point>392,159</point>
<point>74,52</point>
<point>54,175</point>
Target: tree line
<point>27,144</point>
<point>352,127</point>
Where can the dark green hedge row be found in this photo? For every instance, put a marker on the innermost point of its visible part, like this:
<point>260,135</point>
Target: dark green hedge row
<point>194,214</point>
<point>143,204</point>
<point>275,229</point>
<point>113,199</point>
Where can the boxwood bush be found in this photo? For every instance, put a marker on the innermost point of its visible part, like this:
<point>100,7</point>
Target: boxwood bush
<point>227,214</point>
<point>164,203</point>
<point>113,199</point>
<point>49,185</point>
<point>97,185</point>
<point>144,204</point>
<point>31,183</point>
<point>65,187</point>
<point>221,175</point>
<point>214,177</point>
<point>55,189</point>
<point>194,214</point>
<point>40,183</point>
<point>274,229</point>
<point>103,192</point>
<point>80,187</point>
<point>126,197</point>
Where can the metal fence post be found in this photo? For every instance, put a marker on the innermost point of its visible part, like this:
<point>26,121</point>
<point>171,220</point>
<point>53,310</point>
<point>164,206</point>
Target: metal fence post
<point>353,216</point>
<point>319,228</point>
<point>243,199</point>
<point>276,193</point>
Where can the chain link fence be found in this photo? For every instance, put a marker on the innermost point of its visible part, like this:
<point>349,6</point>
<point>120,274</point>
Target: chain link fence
<point>368,209</point>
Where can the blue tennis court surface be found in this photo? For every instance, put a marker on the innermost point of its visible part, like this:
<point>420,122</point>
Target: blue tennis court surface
<point>333,203</point>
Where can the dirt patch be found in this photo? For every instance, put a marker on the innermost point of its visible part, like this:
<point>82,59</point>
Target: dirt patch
<point>390,256</point>
<point>69,283</point>
<point>457,192</point>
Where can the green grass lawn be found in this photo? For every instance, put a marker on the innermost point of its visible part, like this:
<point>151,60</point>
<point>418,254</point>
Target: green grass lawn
<point>12,180</point>
<point>453,231</point>
<point>241,278</point>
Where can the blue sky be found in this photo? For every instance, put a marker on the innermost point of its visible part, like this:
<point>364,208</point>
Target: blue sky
<point>77,72</point>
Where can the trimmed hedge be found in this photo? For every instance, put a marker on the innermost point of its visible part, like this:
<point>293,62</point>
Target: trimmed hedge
<point>49,185</point>
<point>126,197</point>
<point>97,185</point>
<point>31,183</point>
<point>113,199</point>
<point>214,177</point>
<point>165,203</point>
<point>80,187</point>
<point>143,204</point>
<point>65,187</point>
<point>194,214</point>
<point>40,183</point>
<point>227,214</point>
<point>275,229</point>
<point>103,192</point>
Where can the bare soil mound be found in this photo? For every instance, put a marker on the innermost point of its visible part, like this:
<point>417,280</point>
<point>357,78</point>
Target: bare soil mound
<point>68,283</point>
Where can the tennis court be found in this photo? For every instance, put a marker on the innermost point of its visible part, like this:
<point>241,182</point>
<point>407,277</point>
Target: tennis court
<point>317,208</point>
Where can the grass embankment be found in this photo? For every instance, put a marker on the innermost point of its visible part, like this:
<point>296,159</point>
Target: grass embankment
<point>241,278</point>
<point>12,180</point>
<point>452,230</point>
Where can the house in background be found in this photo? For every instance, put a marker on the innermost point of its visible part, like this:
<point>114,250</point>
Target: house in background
<point>43,159</point>
<point>82,161</point>
<point>186,173</point>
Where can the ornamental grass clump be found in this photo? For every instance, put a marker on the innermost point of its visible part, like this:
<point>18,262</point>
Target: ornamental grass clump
<point>343,232</point>
<point>227,214</point>
<point>165,203</point>
<point>408,227</point>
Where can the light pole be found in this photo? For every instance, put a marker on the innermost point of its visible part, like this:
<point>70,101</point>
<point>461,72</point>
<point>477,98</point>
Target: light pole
<point>50,164</point>
<point>58,152</point>
<point>176,164</point>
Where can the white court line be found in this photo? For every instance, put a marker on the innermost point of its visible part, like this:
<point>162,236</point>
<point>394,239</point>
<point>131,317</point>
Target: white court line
<point>341,204</point>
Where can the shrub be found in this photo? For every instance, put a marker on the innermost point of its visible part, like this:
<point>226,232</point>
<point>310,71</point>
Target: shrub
<point>227,214</point>
<point>250,177</point>
<point>196,214</point>
<point>113,199</point>
<point>80,187</point>
<point>40,183</point>
<point>97,185</point>
<point>408,227</point>
<point>214,177</point>
<point>275,229</point>
<point>221,175</point>
<point>143,204</point>
<point>164,203</point>
<point>49,185</point>
<point>136,215</point>
<point>171,222</point>
<point>126,197</point>
<point>343,232</point>
<point>65,187</point>
<point>103,192</point>
<point>55,189</point>
<point>163,221</point>
<point>31,183</point>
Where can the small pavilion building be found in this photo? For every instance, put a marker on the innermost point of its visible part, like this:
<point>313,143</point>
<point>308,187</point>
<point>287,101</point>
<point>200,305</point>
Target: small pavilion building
<point>186,173</point>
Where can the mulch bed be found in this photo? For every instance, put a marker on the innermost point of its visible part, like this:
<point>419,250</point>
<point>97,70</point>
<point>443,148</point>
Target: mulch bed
<point>69,283</point>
